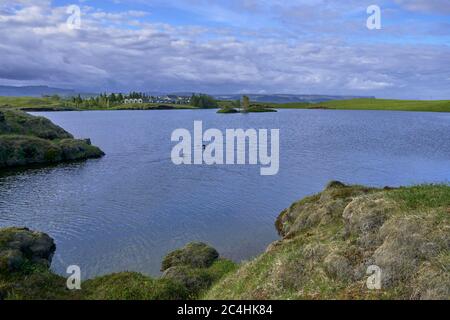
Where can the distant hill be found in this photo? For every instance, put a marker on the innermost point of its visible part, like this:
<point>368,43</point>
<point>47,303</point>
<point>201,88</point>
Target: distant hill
<point>285,98</point>
<point>34,91</point>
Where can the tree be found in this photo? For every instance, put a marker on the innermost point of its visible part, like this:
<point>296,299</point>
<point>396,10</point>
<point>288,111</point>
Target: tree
<point>245,103</point>
<point>203,101</point>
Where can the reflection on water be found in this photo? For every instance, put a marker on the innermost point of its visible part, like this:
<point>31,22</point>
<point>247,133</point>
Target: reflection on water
<point>128,209</point>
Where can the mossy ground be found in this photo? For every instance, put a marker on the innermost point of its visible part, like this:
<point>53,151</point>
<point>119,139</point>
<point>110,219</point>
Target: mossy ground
<point>31,281</point>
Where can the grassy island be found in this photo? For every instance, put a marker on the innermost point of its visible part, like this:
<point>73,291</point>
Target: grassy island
<point>250,109</point>
<point>327,243</point>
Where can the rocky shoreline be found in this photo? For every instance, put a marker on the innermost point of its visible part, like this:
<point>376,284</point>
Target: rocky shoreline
<point>25,258</point>
<point>329,243</point>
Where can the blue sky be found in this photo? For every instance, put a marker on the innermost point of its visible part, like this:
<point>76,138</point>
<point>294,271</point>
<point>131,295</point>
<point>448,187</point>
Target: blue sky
<point>257,46</point>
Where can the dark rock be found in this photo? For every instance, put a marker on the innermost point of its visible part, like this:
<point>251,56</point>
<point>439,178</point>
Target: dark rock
<point>195,255</point>
<point>20,245</point>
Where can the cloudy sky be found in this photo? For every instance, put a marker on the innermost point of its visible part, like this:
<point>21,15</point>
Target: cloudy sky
<point>229,46</point>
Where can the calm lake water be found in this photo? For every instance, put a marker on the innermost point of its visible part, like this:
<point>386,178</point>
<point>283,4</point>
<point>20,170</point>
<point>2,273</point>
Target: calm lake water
<point>128,209</point>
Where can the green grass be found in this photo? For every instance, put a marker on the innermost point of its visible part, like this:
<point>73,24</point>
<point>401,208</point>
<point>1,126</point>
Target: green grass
<point>423,196</point>
<point>132,286</point>
<point>373,104</point>
<point>34,103</point>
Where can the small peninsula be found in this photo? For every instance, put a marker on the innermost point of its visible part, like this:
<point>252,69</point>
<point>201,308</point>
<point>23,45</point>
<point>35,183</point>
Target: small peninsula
<point>30,140</point>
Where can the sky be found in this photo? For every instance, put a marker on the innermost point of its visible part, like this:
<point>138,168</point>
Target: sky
<point>232,46</point>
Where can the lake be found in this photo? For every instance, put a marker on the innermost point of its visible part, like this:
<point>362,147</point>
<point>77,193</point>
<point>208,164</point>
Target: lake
<point>128,209</point>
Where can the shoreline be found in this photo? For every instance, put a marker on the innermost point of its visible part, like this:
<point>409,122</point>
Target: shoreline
<point>322,253</point>
<point>31,104</point>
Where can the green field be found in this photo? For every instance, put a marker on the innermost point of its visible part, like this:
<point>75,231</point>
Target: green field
<point>373,104</point>
<point>32,102</point>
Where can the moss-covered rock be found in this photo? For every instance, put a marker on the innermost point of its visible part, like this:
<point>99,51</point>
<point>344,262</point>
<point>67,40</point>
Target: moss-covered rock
<point>25,257</point>
<point>21,150</point>
<point>73,149</point>
<point>20,247</point>
<point>194,255</point>
<point>197,280</point>
<point>27,140</point>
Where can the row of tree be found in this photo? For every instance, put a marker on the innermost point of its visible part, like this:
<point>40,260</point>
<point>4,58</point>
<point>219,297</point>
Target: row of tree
<point>106,100</point>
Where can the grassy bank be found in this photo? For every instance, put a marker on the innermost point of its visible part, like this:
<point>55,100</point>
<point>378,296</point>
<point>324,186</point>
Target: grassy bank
<point>330,239</point>
<point>373,104</point>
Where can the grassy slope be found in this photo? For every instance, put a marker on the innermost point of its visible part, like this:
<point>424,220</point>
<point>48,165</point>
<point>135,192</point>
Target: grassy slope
<point>374,104</point>
<point>32,102</point>
<point>327,248</point>
<point>36,282</point>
